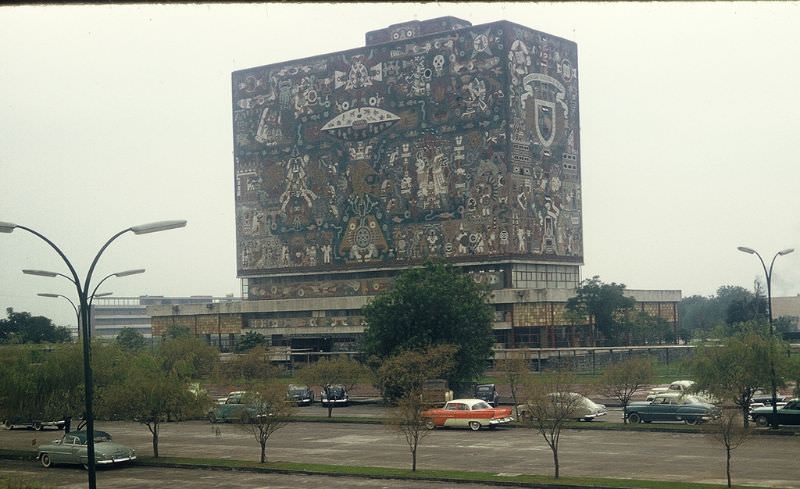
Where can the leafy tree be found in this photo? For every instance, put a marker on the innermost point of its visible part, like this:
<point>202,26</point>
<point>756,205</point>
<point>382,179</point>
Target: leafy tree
<point>41,385</point>
<point>407,420</point>
<point>130,339</point>
<point>622,380</point>
<point>605,305</point>
<point>330,371</point>
<point>267,412</point>
<point>734,370</point>
<point>408,370</point>
<point>149,394</point>
<point>188,357</point>
<point>250,340</point>
<point>549,406</point>
<point>730,433</point>
<point>249,366</point>
<point>21,327</point>
<point>430,306</point>
<point>699,314</point>
<point>642,328</point>
<point>515,372</point>
<point>175,331</point>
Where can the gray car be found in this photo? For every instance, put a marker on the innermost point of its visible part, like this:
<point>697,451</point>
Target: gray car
<point>72,449</point>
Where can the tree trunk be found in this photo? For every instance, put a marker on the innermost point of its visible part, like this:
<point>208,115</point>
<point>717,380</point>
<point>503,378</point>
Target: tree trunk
<point>263,452</point>
<point>414,460</point>
<point>330,410</point>
<point>155,439</point>
<point>745,416</point>
<point>555,461</point>
<point>728,464</point>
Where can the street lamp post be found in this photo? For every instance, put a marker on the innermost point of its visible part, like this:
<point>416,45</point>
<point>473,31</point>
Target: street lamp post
<point>46,273</point>
<point>77,314</point>
<point>768,274</point>
<point>83,295</point>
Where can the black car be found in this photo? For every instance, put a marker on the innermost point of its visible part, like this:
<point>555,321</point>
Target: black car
<point>334,395</point>
<point>788,414</point>
<point>488,393</point>
<point>764,397</point>
<point>300,394</point>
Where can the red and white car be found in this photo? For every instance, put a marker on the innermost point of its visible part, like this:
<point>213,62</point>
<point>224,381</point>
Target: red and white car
<point>467,413</point>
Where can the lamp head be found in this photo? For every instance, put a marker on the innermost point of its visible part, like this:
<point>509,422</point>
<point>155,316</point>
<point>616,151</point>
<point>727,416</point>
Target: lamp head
<point>43,294</point>
<point>786,251</point>
<point>41,273</point>
<point>129,272</point>
<point>102,294</point>
<point>746,249</point>
<point>7,227</point>
<point>155,227</point>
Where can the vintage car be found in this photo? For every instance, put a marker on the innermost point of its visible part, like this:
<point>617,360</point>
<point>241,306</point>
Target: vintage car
<point>26,422</point>
<point>300,394</point>
<point>488,393</point>
<point>334,395</point>
<point>787,414</point>
<point>72,449</point>
<point>582,407</point>
<point>233,409</point>
<point>672,406</point>
<point>763,397</point>
<point>466,413</point>
<point>679,386</point>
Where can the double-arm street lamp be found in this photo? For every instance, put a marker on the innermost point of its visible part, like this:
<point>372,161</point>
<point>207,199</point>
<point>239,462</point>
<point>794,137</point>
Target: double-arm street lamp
<point>84,300</point>
<point>45,273</point>
<point>768,274</point>
<point>77,313</point>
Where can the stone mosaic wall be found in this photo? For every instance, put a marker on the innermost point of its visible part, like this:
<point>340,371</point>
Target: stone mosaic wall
<point>461,145</point>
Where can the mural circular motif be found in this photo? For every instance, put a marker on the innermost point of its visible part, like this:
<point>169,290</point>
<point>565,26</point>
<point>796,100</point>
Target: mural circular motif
<point>363,237</point>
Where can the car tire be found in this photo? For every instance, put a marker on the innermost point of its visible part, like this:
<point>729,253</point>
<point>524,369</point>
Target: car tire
<point>37,426</point>
<point>634,418</point>
<point>85,466</point>
<point>474,425</point>
<point>45,460</point>
<point>429,424</point>
<point>762,420</point>
<point>588,419</point>
<point>692,421</point>
<point>212,418</point>
<point>7,424</point>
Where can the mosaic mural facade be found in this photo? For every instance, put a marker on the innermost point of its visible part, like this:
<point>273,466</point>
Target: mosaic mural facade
<point>461,144</point>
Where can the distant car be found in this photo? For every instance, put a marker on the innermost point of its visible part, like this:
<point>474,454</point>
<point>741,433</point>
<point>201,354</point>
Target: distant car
<point>72,449</point>
<point>233,409</point>
<point>789,414</point>
<point>679,386</point>
<point>583,408</point>
<point>300,394</point>
<point>467,413</point>
<point>763,397</point>
<point>488,393</point>
<point>31,423</point>
<point>672,407</point>
<point>334,395</point>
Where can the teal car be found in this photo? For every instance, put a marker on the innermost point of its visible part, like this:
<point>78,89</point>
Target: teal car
<point>72,449</point>
<point>787,415</point>
<point>671,407</point>
<point>232,410</point>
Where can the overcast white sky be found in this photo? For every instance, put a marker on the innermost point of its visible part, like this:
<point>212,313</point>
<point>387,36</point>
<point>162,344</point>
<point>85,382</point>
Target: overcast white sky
<point>112,116</point>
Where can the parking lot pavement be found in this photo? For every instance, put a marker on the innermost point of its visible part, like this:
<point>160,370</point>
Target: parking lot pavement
<point>139,477</point>
<point>690,457</point>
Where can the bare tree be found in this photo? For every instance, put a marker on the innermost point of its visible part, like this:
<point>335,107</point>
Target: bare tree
<point>729,431</point>
<point>515,371</point>
<point>550,405</point>
<point>267,411</point>
<point>624,379</point>
<point>406,418</point>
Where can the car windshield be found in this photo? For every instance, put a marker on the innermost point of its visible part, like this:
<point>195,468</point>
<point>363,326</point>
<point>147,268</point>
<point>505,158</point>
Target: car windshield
<point>297,390</point>
<point>335,390</point>
<point>480,405</point>
<point>484,388</point>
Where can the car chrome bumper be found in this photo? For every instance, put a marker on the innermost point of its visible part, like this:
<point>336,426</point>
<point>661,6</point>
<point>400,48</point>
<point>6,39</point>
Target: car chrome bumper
<point>497,421</point>
<point>115,460</point>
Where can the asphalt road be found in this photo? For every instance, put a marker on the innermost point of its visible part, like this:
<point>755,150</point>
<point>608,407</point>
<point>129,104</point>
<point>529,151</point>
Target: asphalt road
<point>763,460</point>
